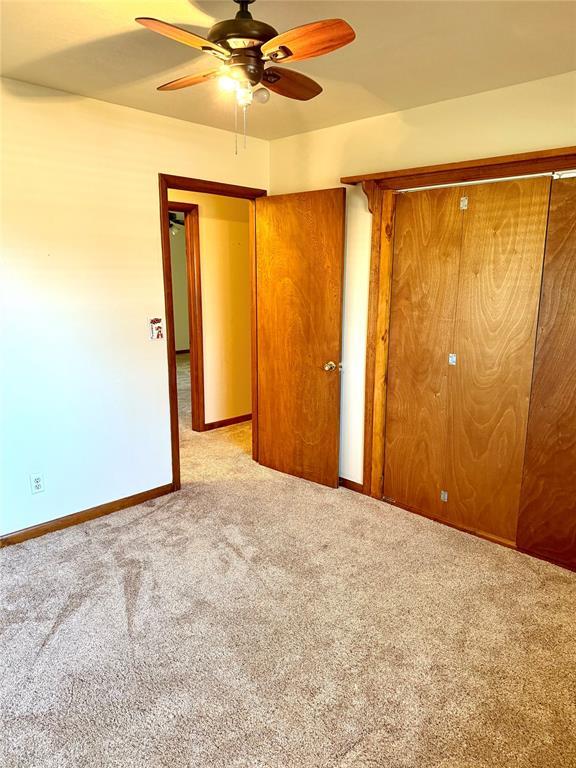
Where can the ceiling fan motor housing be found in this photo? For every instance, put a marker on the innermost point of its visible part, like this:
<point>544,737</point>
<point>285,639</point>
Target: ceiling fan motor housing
<point>244,36</point>
<point>241,32</point>
<point>248,63</point>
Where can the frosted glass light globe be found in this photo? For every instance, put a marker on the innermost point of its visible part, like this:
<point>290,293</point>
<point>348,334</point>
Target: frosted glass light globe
<point>262,95</point>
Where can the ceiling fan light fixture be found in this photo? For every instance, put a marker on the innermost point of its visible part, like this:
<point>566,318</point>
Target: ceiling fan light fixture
<point>261,95</point>
<point>226,82</point>
<point>244,94</point>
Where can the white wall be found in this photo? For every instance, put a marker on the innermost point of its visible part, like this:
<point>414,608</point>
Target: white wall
<point>226,302</point>
<point>86,399</point>
<point>522,118</point>
<point>179,287</point>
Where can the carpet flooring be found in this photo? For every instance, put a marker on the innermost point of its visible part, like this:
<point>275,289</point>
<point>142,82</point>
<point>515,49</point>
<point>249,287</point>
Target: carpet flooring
<point>254,620</point>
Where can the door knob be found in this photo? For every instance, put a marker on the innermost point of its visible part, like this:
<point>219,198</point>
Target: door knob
<point>330,366</point>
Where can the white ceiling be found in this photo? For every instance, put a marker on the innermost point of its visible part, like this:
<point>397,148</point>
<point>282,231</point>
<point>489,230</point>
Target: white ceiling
<point>406,54</point>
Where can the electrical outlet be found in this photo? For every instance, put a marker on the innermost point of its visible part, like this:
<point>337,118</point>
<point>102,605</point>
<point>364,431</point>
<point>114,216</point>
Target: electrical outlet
<point>37,483</point>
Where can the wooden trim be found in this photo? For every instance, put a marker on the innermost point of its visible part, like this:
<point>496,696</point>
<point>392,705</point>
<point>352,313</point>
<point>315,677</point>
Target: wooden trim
<point>166,182</point>
<point>170,333</point>
<point>196,332</point>
<point>81,517</point>
<point>211,187</point>
<point>254,326</point>
<point>227,422</point>
<point>181,207</point>
<point>543,161</point>
<point>182,351</point>
<point>374,195</point>
<point>382,204</point>
<point>351,485</point>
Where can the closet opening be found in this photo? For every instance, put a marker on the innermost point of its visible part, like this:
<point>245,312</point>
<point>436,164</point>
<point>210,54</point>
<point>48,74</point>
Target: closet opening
<point>468,311</point>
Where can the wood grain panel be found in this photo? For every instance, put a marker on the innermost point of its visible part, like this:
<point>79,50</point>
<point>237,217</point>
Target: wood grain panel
<point>498,295</point>
<point>305,42</point>
<point>427,241</point>
<point>547,518</point>
<point>299,253</point>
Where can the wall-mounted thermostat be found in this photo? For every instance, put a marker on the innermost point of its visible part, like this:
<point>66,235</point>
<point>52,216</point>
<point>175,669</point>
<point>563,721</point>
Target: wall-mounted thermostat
<point>156,329</point>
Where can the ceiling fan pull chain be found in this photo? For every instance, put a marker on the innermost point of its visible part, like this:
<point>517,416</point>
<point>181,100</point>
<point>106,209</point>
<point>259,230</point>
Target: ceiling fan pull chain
<point>235,128</point>
<point>245,109</point>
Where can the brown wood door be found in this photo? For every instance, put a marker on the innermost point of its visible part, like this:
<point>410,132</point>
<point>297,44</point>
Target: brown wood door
<point>504,228</point>
<point>428,231</point>
<point>547,518</point>
<point>299,269</point>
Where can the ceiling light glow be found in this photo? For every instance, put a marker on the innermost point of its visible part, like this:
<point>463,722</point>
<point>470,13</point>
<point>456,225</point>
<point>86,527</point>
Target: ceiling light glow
<point>244,94</point>
<point>227,83</point>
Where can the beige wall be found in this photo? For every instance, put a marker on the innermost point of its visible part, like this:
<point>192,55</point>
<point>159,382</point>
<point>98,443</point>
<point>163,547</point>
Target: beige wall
<point>532,116</point>
<point>226,302</point>
<point>86,402</point>
<point>179,288</point>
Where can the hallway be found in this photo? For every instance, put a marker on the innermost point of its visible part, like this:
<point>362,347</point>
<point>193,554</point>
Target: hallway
<point>212,454</point>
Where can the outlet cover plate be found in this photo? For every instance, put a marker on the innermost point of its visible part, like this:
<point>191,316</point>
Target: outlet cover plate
<point>37,482</point>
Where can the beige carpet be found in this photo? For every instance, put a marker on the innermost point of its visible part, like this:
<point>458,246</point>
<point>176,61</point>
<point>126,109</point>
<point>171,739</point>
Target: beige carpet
<point>254,620</point>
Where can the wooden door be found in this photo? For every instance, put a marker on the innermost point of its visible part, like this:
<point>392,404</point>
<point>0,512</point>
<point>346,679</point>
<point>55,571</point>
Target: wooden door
<point>299,269</point>
<point>504,228</point>
<point>547,518</point>
<point>428,231</point>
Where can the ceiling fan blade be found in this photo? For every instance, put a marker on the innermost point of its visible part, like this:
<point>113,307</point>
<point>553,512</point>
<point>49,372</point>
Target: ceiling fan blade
<point>310,40</point>
<point>294,85</point>
<point>182,36</point>
<point>184,82</point>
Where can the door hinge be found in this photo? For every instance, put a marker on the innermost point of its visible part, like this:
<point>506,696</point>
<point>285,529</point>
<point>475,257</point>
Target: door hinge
<point>452,358</point>
<point>443,495</point>
<point>463,203</point>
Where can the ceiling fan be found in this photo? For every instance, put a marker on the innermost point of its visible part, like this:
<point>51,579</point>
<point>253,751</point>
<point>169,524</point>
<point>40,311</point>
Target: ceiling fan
<point>248,49</point>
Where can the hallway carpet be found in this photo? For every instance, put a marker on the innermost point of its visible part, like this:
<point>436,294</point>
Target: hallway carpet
<point>253,620</point>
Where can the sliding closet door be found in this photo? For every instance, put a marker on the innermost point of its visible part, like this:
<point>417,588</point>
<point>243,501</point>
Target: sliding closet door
<point>504,228</point>
<point>428,230</point>
<point>547,520</point>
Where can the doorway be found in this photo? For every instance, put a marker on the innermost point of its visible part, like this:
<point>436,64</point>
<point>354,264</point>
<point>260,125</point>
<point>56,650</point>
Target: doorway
<point>210,261</point>
<point>206,234</point>
<point>296,255</point>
